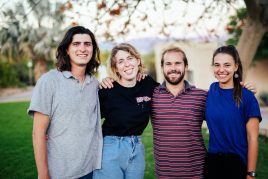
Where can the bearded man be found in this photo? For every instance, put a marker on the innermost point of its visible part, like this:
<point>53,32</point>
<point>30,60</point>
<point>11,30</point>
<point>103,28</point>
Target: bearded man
<point>177,115</point>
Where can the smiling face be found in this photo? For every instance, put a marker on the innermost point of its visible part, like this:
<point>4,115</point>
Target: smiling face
<point>173,67</point>
<point>127,66</point>
<point>80,50</point>
<point>224,68</point>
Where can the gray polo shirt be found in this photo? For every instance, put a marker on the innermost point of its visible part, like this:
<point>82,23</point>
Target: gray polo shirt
<point>74,144</point>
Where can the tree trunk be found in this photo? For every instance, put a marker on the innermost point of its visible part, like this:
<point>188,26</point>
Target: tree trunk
<point>39,68</point>
<point>249,41</point>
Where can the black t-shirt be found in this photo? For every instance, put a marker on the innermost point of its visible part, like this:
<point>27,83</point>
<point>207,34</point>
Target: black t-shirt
<point>126,110</point>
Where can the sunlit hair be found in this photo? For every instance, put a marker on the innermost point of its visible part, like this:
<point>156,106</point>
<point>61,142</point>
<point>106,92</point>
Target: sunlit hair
<point>63,60</point>
<point>231,50</point>
<point>174,49</point>
<point>127,48</point>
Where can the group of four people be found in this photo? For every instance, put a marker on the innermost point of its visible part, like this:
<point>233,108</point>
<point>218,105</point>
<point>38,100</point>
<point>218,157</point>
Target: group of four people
<point>67,107</point>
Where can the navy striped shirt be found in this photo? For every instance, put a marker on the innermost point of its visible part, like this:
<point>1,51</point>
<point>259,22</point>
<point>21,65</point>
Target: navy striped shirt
<point>178,143</point>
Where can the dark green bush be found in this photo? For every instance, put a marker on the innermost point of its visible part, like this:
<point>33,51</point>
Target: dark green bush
<point>8,75</point>
<point>22,72</point>
<point>264,98</point>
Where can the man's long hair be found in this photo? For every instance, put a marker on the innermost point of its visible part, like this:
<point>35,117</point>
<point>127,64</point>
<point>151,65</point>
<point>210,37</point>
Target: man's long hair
<point>63,60</point>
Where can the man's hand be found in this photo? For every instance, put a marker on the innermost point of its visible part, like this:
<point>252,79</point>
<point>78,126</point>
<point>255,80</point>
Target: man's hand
<point>106,83</point>
<point>250,86</point>
<point>141,76</point>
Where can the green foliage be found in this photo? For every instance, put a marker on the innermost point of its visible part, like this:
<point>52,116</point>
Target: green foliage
<point>51,64</point>
<point>31,29</point>
<point>262,51</point>
<point>23,72</point>
<point>8,75</point>
<point>14,74</point>
<point>17,158</point>
<point>264,98</point>
<point>149,64</point>
<point>104,57</point>
<point>262,164</point>
<point>149,155</point>
<point>235,28</point>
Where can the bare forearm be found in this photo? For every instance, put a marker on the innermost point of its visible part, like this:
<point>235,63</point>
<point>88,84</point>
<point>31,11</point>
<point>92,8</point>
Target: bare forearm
<point>40,127</point>
<point>252,137</point>
<point>40,154</point>
<point>252,154</point>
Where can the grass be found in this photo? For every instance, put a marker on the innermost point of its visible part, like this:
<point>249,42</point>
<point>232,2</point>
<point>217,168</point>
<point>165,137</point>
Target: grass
<point>16,153</point>
<point>16,149</point>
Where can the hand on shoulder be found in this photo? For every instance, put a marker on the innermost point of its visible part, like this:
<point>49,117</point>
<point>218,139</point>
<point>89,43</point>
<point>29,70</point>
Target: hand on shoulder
<point>106,83</point>
<point>250,86</point>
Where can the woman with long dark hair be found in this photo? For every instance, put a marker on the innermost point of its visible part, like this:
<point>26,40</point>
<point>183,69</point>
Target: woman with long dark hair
<point>233,116</point>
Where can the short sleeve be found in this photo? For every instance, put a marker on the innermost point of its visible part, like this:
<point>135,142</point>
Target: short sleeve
<point>252,108</point>
<point>102,99</point>
<point>42,97</point>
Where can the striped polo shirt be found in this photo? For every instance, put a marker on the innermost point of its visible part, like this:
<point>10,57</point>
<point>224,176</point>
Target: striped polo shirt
<point>179,148</point>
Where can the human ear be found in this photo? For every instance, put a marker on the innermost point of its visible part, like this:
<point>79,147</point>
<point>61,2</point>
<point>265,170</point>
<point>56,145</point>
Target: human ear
<point>236,67</point>
<point>139,61</point>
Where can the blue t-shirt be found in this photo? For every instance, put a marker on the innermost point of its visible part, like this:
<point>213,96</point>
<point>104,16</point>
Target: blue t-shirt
<point>227,122</point>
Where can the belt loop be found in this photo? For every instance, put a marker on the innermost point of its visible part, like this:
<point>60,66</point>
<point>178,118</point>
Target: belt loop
<point>133,139</point>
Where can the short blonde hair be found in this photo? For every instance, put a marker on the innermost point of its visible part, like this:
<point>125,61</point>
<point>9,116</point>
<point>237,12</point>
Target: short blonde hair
<point>127,48</point>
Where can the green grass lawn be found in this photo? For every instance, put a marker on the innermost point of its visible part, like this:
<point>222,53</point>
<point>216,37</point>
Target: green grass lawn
<point>16,153</point>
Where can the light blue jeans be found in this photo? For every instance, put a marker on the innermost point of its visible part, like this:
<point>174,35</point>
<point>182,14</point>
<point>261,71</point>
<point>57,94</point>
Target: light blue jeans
<point>122,158</point>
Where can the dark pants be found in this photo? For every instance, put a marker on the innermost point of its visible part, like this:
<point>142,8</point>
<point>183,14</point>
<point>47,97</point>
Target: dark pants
<point>88,176</point>
<point>221,165</point>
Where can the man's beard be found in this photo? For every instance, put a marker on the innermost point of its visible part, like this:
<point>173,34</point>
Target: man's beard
<point>175,81</point>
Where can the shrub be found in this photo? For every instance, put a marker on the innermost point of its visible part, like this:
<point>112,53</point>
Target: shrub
<point>264,98</point>
<point>22,73</point>
<point>8,75</point>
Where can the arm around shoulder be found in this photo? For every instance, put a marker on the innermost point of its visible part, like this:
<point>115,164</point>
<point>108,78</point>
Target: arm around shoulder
<point>40,125</point>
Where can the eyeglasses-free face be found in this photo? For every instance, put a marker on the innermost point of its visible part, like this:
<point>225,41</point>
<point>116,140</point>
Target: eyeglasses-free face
<point>224,68</point>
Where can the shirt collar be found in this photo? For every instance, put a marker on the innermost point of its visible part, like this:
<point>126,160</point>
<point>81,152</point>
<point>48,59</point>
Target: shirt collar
<point>68,74</point>
<point>188,86</point>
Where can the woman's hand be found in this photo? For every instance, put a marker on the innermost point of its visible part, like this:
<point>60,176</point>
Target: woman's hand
<point>250,86</point>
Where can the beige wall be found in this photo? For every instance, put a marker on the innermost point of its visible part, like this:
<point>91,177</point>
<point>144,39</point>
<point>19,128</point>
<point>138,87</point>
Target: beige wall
<point>258,74</point>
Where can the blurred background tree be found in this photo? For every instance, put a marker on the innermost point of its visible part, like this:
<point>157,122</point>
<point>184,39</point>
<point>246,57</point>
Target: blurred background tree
<point>30,29</point>
<point>30,32</point>
<point>234,28</point>
<point>253,29</point>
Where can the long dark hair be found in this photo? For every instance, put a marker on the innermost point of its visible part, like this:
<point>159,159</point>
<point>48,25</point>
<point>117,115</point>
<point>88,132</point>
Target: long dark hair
<point>63,60</point>
<point>231,50</point>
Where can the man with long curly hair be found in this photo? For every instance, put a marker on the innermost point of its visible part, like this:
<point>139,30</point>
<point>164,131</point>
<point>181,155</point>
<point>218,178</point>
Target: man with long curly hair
<point>67,136</point>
